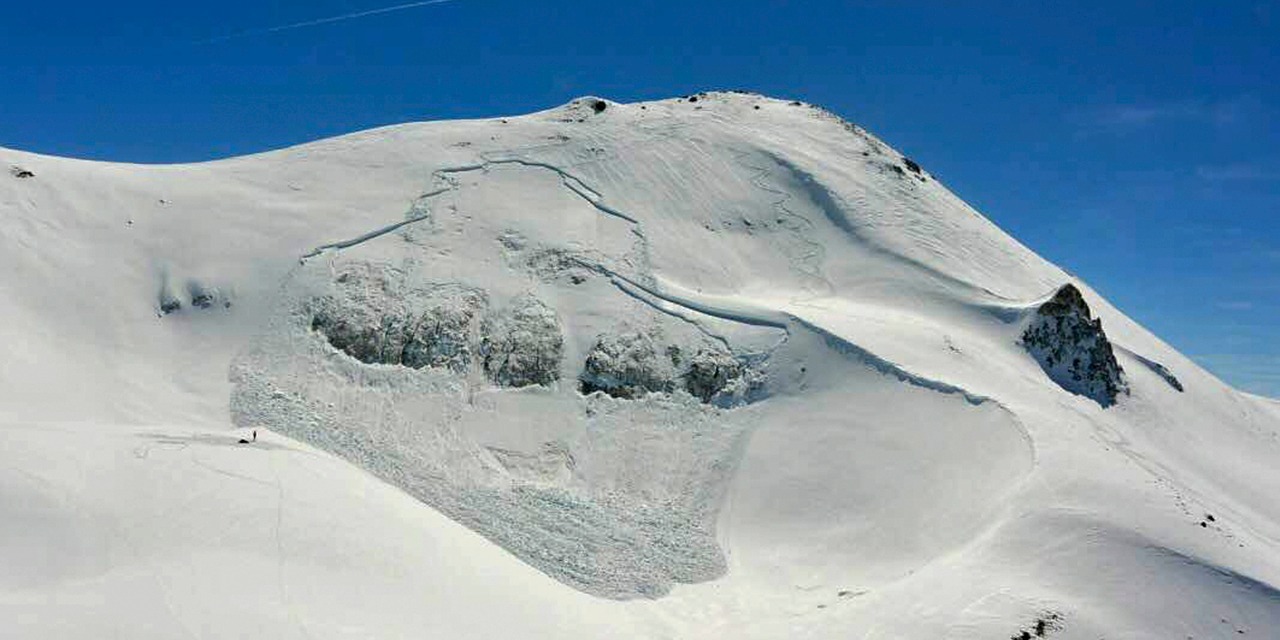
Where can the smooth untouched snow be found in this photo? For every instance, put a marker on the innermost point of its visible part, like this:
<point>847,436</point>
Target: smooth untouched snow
<point>826,423</point>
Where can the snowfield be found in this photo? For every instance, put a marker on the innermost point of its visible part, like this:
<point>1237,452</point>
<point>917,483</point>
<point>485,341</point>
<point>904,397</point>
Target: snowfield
<point>720,366</point>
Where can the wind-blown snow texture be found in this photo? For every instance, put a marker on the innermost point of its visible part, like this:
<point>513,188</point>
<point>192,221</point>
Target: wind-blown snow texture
<point>720,366</point>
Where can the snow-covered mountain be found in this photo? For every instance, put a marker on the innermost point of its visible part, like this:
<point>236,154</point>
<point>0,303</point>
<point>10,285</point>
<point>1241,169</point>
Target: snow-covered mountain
<point>720,366</point>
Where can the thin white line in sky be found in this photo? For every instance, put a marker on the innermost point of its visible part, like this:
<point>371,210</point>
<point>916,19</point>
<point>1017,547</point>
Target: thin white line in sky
<point>319,21</point>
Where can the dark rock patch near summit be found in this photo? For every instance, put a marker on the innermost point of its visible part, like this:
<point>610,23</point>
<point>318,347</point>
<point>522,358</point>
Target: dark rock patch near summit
<point>1072,348</point>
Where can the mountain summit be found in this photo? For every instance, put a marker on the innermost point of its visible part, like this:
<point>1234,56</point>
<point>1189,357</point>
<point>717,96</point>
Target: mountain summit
<point>719,366</point>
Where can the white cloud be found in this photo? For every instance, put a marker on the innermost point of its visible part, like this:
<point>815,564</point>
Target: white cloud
<point>328,20</point>
<point>1128,117</point>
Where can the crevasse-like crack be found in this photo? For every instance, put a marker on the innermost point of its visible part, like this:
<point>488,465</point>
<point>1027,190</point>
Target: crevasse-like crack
<point>684,300</point>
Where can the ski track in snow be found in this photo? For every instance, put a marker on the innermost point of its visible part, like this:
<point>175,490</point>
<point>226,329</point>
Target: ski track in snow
<point>813,260</point>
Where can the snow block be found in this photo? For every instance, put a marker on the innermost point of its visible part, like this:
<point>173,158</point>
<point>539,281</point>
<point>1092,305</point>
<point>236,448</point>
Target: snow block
<point>524,345</point>
<point>375,319</point>
<point>716,377</point>
<point>632,365</point>
<point>629,365</point>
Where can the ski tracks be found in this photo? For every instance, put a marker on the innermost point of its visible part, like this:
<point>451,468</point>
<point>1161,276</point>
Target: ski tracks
<point>810,263</point>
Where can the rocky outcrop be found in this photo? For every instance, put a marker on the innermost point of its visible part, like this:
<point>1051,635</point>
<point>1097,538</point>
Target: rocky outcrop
<point>1167,376</point>
<point>204,296</point>
<point>1072,348</point>
<point>1160,370</point>
<point>197,295</point>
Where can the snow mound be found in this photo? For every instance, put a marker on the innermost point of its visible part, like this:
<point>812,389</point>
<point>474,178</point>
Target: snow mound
<point>718,366</point>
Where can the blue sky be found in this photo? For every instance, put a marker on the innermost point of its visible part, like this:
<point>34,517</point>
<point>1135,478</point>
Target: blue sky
<point>1134,143</point>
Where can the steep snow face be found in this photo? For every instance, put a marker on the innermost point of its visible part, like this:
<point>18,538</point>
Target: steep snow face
<point>729,359</point>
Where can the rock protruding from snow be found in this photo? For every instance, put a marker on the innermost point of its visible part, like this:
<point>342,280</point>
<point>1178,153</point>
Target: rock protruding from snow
<point>197,295</point>
<point>1168,376</point>
<point>523,346</point>
<point>1160,370</point>
<point>1072,348</point>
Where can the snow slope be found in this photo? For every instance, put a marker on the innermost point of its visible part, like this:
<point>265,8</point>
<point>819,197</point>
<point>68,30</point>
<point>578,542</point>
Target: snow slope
<point>724,367</point>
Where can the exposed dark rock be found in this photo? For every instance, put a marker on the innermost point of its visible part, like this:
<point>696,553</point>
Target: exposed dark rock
<point>203,297</point>
<point>911,165</point>
<point>169,305</point>
<point>1158,369</point>
<point>19,172</point>
<point>1047,623</point>
<point>1072,348</point>
<point>599,106</point>
<point>1161,371</point>
<point>524,345</point>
